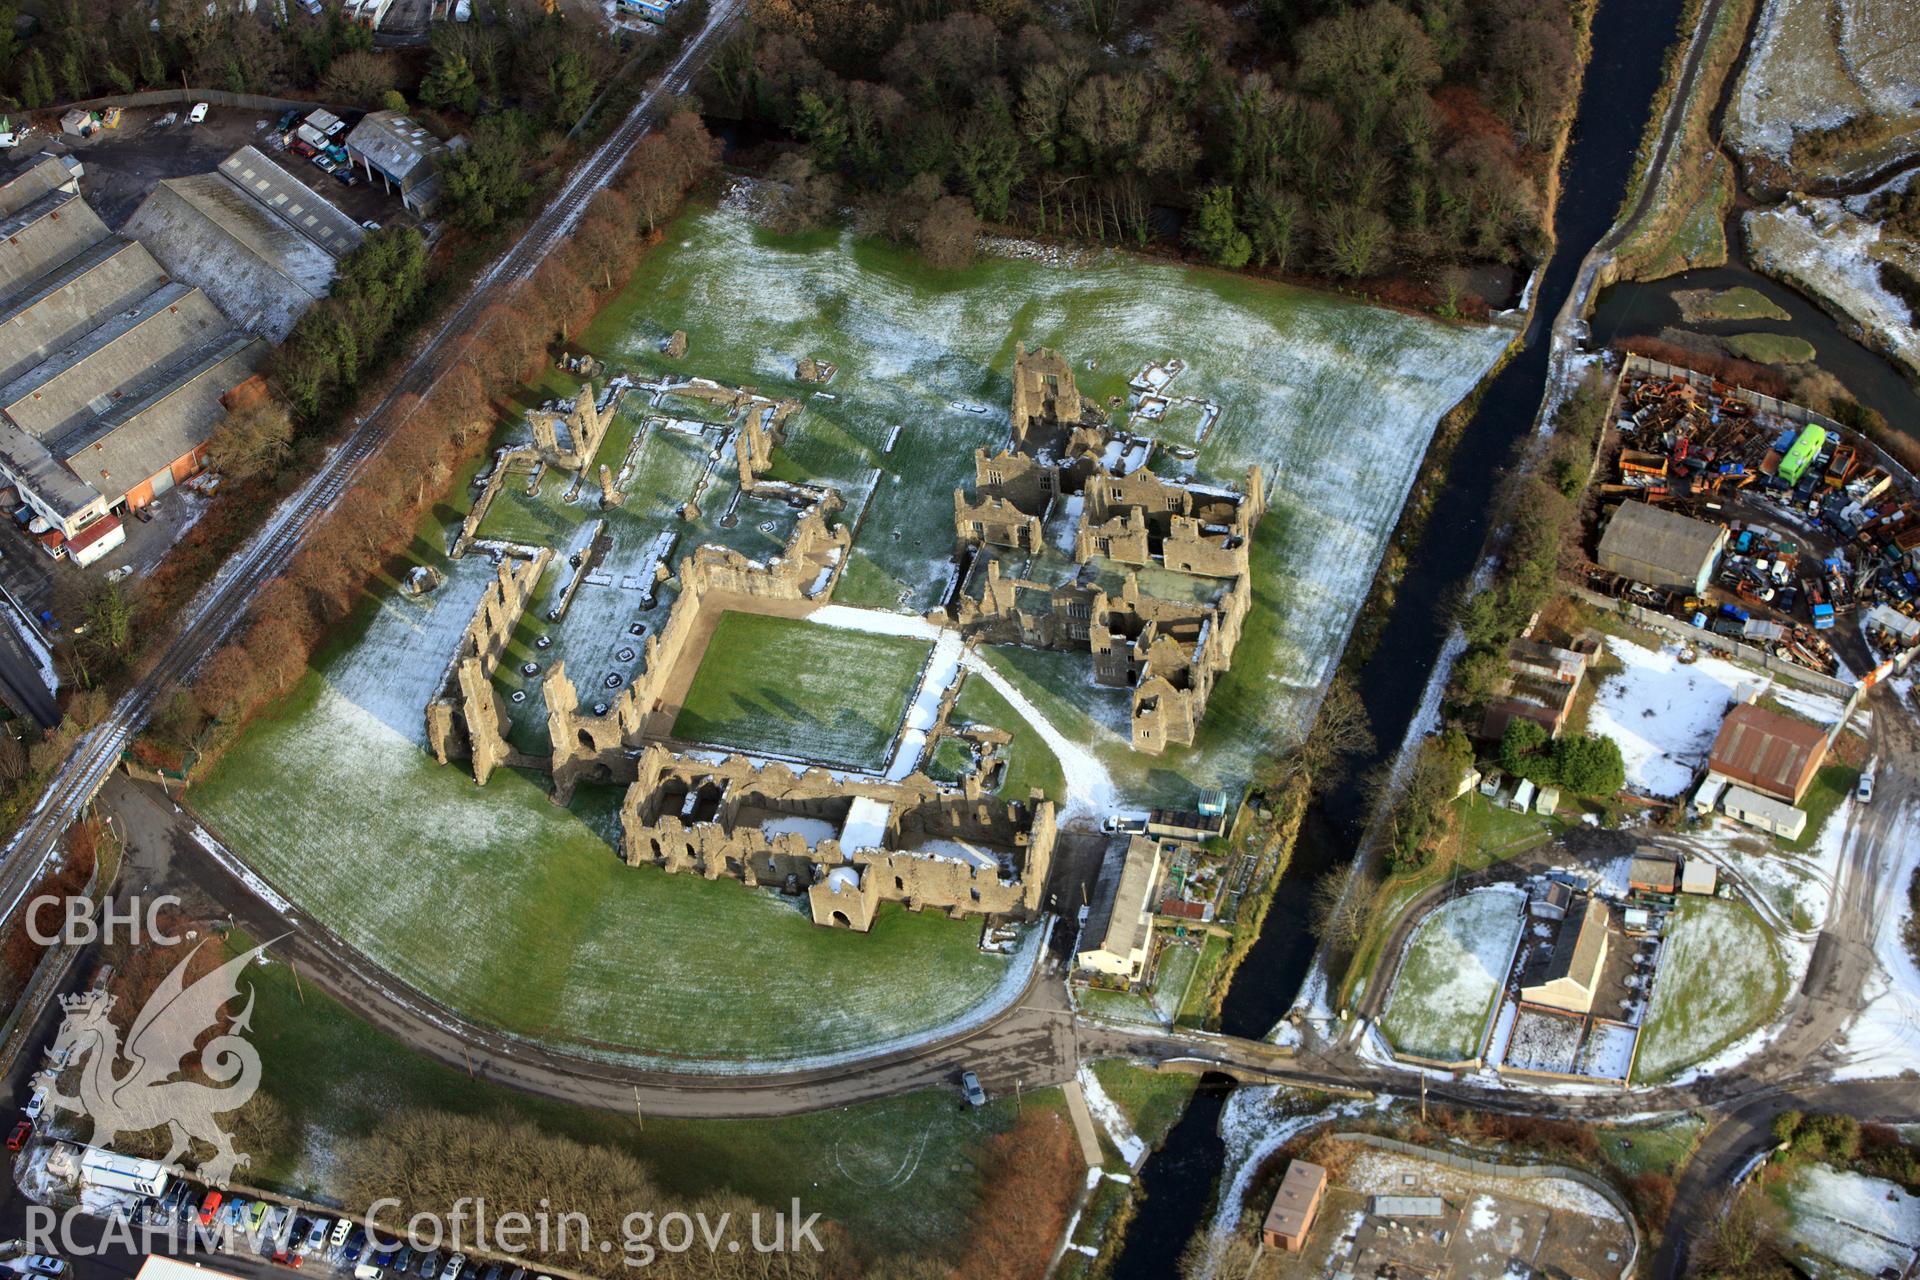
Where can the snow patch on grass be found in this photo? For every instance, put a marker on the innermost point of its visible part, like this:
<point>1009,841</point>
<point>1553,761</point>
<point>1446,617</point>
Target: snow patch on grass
<point>1665,713</point>
<point>1454,963</point>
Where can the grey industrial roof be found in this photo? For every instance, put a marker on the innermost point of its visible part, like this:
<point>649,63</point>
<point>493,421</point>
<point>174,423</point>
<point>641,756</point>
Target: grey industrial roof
<point>1641,534</point>
<point>175,413</point>
<point>259,271</point>
<point>68,302</point>
<point>85,379</point>
<point>397,146</point>
<point>42,234</point>
<point>221,206</point>
<point>28,182</point>
<point>292,201</point>
<point>29,460</point>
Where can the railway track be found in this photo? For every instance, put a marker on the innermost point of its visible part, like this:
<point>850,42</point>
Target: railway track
<point>225,600</point>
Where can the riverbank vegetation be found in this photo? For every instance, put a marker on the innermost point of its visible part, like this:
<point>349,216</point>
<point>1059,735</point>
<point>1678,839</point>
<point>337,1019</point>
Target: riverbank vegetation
<point>1351,144</point>
<point>1684,223</point>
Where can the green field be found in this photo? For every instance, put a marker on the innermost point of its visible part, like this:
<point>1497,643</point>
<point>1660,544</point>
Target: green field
<point>1740,303</point>
<point>1455,966</point>
<point>520,914</point>
<point>787,687</point>
<point>898,1173</point>
<point>1031,764</point>
<point>1150,1100</point>
<point>1770,348</point>
<point>1719,978</point>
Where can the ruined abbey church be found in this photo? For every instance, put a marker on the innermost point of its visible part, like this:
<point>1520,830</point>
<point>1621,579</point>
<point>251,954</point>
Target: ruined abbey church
<point>1063,466</point>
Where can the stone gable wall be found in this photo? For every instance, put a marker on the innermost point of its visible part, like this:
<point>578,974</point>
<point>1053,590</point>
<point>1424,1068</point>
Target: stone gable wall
<point>467,718</point>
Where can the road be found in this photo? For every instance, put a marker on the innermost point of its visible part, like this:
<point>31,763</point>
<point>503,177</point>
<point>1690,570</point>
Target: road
<point>214,613</point>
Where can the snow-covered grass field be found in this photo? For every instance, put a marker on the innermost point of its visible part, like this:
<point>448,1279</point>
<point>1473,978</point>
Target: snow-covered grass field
<point>1719,977</point>
<point>1665,713</point>
<point>1334,399</point>
<point>520,914</point>
<point>1866,1226</point>
<point>1826,249</point>
<point>787,687</point>
<point>1456,961</point>
<point>1814,64</point>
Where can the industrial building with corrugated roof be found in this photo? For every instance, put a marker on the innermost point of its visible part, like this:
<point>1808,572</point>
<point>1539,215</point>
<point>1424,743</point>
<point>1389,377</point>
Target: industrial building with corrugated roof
<point>112,374</point>
<point>1661,548</point>
<point>394,148</point>
<point>1768,752</point>
<point>261,244</point>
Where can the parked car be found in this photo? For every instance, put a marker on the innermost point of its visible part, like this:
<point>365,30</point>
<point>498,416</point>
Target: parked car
<point>1865,791</point>
<point>210,1206</point>
<point>970,1088</point>
<point>301,147</point>
<point>429,1265</point>
<point>288,1258</point>
<point>454,1264</point>
<point>325,164</point>
<point>41,1264</point>
<point>402,1261</point>
<point>35,1105</point>
<point>337,1241</point>
<point>316,1236</point>
<point>256,1216</point>
<point>367,1271</point>
<point>198,113</point>
<point>18,1138</point>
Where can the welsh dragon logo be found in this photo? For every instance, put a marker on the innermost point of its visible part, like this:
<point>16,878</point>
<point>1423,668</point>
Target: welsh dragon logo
<point>147,1095</point>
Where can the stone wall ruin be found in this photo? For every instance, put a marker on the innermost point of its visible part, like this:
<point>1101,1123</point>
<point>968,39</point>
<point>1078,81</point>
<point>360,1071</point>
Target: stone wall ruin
<point>1168,652</point>
<point>849,844</point>
<point>467,719</point>
<point>588,744</point>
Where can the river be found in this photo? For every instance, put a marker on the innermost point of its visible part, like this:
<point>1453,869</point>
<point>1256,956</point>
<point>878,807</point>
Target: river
<point>1636,307</point>
<point>1629,47</point>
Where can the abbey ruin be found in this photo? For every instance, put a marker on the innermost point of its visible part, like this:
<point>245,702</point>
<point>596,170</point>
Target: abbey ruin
<point>1066,542</point>
<point>1064,467</point>
<point>849,843</point>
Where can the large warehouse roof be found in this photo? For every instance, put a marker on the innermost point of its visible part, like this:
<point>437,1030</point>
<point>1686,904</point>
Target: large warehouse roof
<point>292,201</point>
<point>261,272</point>
<point>1652,544</point>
